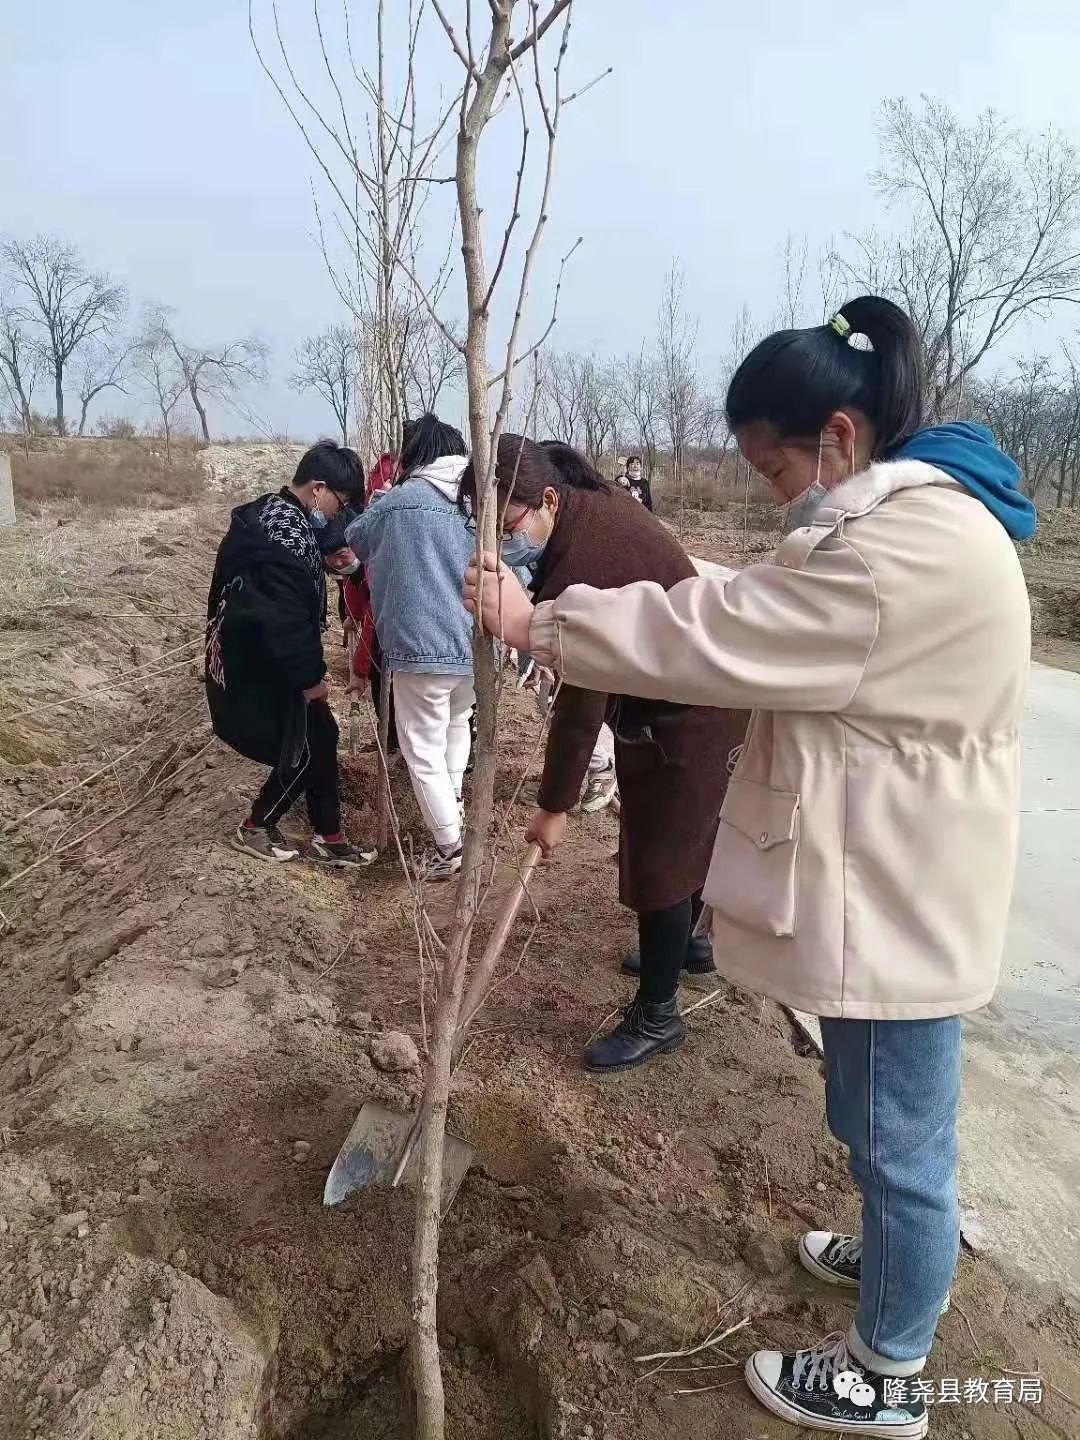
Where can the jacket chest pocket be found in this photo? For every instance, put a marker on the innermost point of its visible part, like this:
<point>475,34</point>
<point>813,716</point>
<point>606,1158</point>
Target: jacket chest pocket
<point>754,878</point>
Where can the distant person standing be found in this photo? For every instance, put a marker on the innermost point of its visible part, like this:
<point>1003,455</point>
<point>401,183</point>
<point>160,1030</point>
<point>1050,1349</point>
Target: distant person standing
<point>637,482</point>
<point>266,682</point>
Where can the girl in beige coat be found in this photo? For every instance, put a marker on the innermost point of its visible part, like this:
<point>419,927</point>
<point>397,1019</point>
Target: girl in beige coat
<point>864,860</point>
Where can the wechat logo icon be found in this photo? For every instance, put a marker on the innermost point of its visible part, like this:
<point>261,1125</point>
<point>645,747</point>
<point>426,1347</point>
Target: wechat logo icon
<point>850,1385</point>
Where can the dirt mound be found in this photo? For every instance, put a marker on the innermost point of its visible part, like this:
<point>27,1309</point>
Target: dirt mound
<point>187,1036</point>
<point>243,470</point>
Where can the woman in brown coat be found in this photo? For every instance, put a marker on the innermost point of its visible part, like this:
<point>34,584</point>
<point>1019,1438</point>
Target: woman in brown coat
<point>573,528</point>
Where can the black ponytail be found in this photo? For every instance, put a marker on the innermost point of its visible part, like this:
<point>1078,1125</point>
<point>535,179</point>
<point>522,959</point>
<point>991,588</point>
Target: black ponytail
<point>426,440</point>
<point>575,470</point>
<point>795,379</point>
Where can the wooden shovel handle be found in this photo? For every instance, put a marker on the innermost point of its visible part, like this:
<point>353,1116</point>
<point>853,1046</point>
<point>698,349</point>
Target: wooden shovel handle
<point>481,978</point>
<point>478,987</point>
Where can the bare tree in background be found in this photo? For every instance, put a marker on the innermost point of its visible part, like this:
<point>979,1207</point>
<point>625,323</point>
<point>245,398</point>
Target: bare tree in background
<point>992,237</point>
<point>377,151</point>
<point>161,378</point>
<point>215,372</point>
<point>1024,412</point>
<point>20,365</point>
<point>1069,429</point>
<point>562,396</point>
<point>637,387</point>
<point>102,365</point>
<point>329,364</point>
<point>431,361</point>
<point>601,408</point>
<point>66,303</point>
<point>676,344</point>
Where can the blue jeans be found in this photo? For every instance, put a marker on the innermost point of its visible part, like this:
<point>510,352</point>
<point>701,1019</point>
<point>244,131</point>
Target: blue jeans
<point>891,1092</point>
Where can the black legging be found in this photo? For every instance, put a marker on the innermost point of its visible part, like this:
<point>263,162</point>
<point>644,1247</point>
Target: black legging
<point>662,939</point>
<point>316,775</point>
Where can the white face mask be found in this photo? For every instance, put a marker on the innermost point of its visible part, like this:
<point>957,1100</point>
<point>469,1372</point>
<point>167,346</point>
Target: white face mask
<point>800,511</point>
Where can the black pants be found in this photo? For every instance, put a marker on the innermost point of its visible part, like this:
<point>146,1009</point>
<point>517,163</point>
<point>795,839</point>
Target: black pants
<point>662,940</point>
<point>376,694</point>
<point>316,775</point>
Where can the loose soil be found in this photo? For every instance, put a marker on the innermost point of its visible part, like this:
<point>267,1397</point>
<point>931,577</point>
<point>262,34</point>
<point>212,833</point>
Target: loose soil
<point>187,1035</point>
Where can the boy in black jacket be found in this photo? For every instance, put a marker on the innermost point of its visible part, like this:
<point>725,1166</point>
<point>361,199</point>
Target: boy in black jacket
<point>265,673</point>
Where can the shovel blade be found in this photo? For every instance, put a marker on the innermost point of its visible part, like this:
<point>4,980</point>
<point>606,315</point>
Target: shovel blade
<point>373,1147</point>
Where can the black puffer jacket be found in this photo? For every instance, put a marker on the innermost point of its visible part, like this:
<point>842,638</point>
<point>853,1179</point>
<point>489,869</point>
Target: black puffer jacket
<point>264,629</point>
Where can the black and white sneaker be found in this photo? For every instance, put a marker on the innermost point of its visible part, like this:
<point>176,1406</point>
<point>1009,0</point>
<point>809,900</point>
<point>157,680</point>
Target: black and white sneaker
<point>827,1389</point>
<point>837,1259</point>
<point>443,865</point>
<point>340,855</point>
<point>264,842</point>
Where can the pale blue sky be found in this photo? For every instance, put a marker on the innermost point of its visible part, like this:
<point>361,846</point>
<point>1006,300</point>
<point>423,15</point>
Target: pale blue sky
<point>147,135</point>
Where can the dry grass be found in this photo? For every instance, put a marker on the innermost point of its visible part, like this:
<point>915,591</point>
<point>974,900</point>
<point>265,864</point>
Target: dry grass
<point>108,478</point>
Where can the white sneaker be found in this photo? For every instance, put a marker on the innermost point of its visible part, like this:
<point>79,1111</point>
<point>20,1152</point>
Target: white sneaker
<point>599,792</point>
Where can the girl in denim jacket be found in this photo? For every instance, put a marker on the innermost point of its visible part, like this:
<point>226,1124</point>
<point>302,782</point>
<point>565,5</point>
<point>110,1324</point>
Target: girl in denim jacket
<point>415,545</point>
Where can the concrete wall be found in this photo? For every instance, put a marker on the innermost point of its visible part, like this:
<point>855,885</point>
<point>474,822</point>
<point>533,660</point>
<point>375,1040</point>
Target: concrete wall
<point>7,495</point>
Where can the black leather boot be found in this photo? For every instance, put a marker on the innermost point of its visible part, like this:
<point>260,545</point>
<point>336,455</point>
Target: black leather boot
<point>698,961</point>
<point>645,1030</point>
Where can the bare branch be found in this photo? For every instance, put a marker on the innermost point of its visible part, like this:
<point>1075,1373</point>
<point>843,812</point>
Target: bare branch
<point>540,29</point>
<point>455,43</point>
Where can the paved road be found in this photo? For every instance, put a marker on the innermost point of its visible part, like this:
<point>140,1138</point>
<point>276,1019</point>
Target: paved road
<point>1020,1119</point>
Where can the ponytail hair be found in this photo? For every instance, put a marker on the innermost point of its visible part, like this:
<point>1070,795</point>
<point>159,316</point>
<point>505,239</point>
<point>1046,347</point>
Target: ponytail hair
<point>575,470</point>
<point>525,469</point>
<point>795,379</point>
<point>426,440</point>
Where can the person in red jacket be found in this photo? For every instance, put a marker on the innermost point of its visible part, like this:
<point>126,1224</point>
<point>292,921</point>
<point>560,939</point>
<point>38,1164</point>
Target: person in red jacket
<point>356,604</point>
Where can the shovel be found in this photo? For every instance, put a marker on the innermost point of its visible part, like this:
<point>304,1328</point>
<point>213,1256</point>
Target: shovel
<point>381,1148</point>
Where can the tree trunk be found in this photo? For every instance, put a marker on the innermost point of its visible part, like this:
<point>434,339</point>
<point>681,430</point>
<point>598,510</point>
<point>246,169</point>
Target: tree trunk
<point>427,1374</point>
<point>382,809</point>
<point>193,391</point>
<point>58,377</point>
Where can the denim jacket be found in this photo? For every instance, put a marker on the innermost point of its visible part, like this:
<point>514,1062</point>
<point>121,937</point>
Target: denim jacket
<point>415,544</point>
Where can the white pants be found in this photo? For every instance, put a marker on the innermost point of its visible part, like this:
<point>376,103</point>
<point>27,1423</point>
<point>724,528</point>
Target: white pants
<point>603,757</point>
<point>432,714</point>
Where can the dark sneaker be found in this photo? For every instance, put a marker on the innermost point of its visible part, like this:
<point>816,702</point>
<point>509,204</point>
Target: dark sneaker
<point>264,842</point>
<point>644,1031</point>
<point>837,1259</point>
<point>340,855</point>
<point>698,960</point>
<point>827,1389</point>
<point>599,792</point>
<point>443,865</point>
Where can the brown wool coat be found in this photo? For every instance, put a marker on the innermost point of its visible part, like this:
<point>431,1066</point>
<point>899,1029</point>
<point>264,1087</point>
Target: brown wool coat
<point>673,786</point>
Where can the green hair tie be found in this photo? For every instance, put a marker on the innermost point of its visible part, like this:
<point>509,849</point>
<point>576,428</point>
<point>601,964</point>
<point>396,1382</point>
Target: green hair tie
<point>841,326</point>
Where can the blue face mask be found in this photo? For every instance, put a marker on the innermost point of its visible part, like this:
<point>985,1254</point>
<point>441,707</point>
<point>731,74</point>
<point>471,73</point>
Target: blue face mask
<point>521,550</point>
<point>318,520</point>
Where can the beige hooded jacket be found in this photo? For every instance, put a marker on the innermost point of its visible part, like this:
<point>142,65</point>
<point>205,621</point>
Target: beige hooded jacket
<point>864,861</point>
